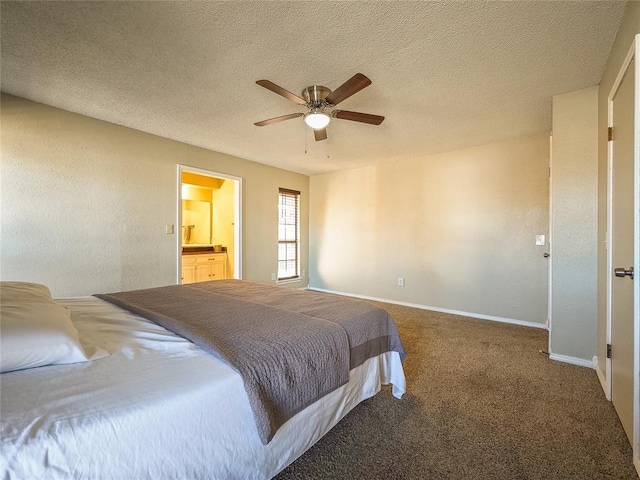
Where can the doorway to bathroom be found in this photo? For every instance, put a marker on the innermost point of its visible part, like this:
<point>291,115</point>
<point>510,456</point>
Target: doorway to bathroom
<point>209,233</point>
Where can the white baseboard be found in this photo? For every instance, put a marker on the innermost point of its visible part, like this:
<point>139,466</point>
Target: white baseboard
<point>601,376</point>
<point>572,360</point>
<point>513,321</point>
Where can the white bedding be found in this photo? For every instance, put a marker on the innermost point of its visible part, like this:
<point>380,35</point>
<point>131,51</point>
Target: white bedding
<point>158,407</point>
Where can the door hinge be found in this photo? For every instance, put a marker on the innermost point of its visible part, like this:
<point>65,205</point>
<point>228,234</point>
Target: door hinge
<point>609,134</point>
<point>608,350</point>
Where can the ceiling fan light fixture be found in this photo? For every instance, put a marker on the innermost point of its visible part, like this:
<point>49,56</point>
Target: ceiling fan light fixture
<point>317,119</point>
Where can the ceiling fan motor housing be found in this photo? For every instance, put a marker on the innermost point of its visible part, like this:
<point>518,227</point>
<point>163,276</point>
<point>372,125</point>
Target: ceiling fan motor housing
<point>315,95</point>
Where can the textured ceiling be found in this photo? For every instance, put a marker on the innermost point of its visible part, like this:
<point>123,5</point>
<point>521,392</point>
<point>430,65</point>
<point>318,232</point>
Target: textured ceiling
<point>446,75</point>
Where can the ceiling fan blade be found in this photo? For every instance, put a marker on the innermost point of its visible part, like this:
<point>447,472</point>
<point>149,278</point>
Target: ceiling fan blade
<point>320,134</point>
<point>358,117</point>
<point>281,91</point>
<point>348,88</point>
<point>281,118</point>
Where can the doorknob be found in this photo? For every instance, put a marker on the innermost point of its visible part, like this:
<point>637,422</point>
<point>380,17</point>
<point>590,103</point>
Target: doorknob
<point>621,272</point>
<point>546,254</point>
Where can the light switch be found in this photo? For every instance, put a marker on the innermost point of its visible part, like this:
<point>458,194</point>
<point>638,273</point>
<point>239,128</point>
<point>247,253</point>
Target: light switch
<point>540,240</point>
<point>168,229</point>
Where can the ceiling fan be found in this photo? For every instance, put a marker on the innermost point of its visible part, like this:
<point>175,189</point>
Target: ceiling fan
<point>320,101</point>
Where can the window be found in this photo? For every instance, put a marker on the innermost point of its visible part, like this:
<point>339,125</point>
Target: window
<point>288,234</point>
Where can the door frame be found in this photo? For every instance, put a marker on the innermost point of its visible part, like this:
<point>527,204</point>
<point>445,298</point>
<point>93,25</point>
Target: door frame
<point>634,52</point>
<point>549,249</point>
<point>237,217</point>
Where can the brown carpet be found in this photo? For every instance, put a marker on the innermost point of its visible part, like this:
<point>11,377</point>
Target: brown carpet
<point>481,403</point>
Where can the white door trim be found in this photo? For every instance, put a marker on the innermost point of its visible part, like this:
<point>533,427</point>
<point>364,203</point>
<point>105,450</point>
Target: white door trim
<point>549,248</point>
<point>237,228</point>
<point>636,259</point>
<point>634,51</point>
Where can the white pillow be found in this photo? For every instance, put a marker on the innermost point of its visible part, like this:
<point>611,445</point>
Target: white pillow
<point>35,330</point>
<point>15,291</point>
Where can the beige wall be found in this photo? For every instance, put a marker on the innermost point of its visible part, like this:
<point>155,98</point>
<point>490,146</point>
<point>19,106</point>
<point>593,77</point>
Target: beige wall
<point>459,227</point>
<point>629,28</point>
<point>574,213</point>
<point>85,203</point>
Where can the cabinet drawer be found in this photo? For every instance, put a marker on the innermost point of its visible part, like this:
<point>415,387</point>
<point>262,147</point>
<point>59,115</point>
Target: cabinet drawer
<point>188,260</point>
<point>200,259</point>
<point>210,258</point>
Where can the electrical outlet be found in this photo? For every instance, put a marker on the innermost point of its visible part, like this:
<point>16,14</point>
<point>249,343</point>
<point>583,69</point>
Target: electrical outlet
<point>273,276</point>
<point>401,281</point>
<point>168,229</point>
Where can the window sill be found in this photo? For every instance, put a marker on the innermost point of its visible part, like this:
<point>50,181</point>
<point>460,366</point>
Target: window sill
<point>288,280</point>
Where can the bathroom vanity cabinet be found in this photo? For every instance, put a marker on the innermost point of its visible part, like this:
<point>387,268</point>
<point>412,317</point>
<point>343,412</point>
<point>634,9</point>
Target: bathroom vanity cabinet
<point>204,267</point>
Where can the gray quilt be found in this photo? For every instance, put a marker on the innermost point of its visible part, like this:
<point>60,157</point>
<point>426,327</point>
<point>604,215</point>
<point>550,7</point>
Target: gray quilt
<point>291,347</point>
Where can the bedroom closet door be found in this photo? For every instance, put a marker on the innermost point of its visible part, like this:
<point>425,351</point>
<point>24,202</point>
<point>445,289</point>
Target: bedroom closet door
<point>622,344</point>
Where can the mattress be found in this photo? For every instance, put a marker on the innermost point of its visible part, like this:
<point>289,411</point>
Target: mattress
<point>157,407</point>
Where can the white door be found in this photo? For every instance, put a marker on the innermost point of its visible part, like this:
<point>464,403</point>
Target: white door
<point>622,254</point>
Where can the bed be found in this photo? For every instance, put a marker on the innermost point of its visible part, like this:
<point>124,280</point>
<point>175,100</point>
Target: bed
<point>148,403</point>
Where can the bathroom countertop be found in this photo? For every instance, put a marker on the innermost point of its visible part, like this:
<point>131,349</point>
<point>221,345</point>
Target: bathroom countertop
<point>200,250</point>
